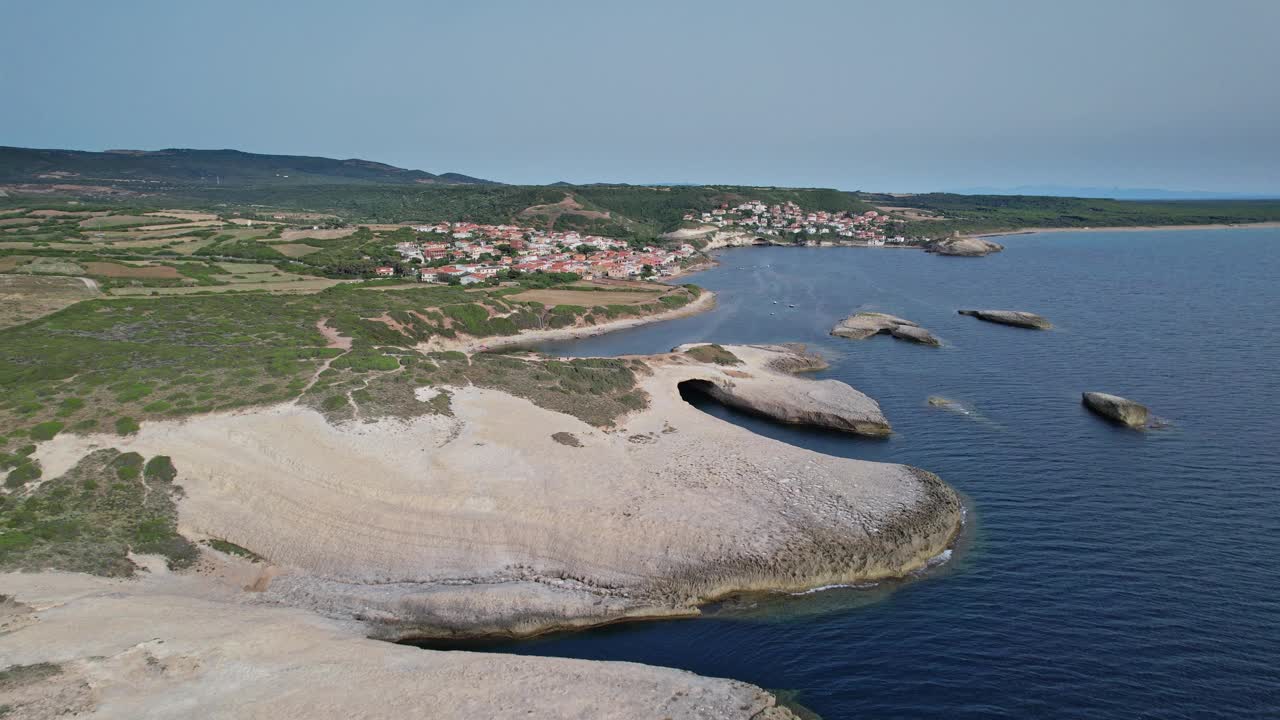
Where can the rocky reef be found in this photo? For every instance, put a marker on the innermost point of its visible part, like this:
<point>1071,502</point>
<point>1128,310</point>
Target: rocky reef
<point>1015,318</point>
<point>962,246</point>
<point>862,325</point>
<point>1117,409</point>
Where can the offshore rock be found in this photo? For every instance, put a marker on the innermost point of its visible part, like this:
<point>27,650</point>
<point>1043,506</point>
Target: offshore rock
<point>1015,318</point>
<point>963,247</point>
<point>862,325</point>
<point>1118,409</point>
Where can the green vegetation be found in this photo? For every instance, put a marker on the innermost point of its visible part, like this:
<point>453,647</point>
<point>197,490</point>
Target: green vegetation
<point>160,469</point>
<point>974,213</point>
<point>116,363</point>
<point>92,517</point>
<point>16,676</point>
<point>46,430</point>
<point>713,354</point>
<point>211,169</point>
<point>231,548</point>
<point>25,471</point>
<point>595,390</point>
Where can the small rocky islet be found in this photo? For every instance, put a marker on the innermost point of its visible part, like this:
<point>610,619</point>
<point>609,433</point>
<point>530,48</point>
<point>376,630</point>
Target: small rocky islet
<point>1117,409</point>
<point>862,325</point>
<point>959,246</point>
<point>1013,318</point>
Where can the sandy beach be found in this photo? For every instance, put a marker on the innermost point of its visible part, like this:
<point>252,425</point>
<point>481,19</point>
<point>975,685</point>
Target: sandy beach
<point>705,301</point>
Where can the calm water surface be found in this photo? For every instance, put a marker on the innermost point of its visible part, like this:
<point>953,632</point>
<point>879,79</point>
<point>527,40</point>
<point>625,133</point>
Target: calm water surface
<point>1104,572</point>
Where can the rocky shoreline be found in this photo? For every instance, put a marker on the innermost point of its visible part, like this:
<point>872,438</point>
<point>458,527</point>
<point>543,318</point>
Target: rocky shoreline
<point>486,521</point>
<point>440,539</point>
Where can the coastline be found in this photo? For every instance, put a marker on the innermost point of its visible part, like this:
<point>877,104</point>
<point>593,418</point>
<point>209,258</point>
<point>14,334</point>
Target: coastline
<point>705,301</point>
<point>1126,228</point>
<point>478,546</point>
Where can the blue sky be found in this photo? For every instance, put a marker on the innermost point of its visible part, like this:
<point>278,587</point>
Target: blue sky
<point>903,96</point>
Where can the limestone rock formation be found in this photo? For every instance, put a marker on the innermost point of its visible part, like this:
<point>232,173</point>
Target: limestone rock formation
<point>863,325</point>
<point>761,390</point>
<point>916,334</point>
<point>481,523</point>
<point>193,645</point>
<point>960,246</point>
<point>1118,409</point>
<point>1016,318</point>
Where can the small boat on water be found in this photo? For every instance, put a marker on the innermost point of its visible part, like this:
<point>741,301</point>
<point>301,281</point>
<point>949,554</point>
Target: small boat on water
<point>791,306</point>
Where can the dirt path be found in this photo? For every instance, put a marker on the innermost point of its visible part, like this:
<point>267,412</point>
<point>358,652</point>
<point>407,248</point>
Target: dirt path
<point>335,340</point>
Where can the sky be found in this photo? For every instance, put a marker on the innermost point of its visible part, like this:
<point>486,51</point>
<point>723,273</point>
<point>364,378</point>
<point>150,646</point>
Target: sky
<point>907,96</point>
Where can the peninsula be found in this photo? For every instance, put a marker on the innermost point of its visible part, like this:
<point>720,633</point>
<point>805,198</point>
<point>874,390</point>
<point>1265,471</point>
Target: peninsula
<point>335,469</point>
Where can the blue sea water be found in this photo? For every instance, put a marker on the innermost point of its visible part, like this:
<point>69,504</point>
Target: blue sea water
<point>1104,572</point>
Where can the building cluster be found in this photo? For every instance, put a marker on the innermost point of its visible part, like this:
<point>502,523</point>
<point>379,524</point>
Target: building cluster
<point>473,253</point>
<point>790,219</point>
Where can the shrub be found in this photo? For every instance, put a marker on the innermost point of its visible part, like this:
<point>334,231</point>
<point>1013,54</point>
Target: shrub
<point>46,430</point>
<point>231,548</point>
<point>160,468</point>
<point>23,474</point>
<point>69,406</point>
<point>128,466</point>
<point>132,391</point>
<point>127,426</point>
<point>713,354</point>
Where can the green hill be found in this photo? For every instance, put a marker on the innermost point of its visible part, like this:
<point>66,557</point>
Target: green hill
<point>203,168</point>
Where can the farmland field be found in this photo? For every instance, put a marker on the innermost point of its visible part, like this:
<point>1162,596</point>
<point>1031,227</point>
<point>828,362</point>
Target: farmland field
<point>117,270</point>
<point>117,220</point>
<point>294,250</point>
<point>24,297</point>
<point>274,285</point>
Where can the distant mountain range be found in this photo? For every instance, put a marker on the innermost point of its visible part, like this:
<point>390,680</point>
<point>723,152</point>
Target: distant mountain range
<point>1114,193</point>
<point>132,168</point>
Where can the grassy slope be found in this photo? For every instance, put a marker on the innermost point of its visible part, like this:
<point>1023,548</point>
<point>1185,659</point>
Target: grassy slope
<point>970,213</point>
<point>107,364</point>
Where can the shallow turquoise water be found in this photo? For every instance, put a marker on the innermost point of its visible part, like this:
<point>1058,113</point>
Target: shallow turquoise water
<point>1104,572</point>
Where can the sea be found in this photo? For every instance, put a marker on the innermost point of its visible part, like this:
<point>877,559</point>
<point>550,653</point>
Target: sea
<point>1103,572</point>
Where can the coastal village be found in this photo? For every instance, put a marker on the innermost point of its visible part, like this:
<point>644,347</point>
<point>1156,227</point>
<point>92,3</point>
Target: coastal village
<point>469,253</point>
<point>791,219</point>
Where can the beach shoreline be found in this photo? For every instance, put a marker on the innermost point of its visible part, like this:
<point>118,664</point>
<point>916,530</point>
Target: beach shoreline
<point>705,301</point>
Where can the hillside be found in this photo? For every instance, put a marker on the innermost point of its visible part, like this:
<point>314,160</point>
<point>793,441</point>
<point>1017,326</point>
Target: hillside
<point>360,191</point>
<point>138,169</point>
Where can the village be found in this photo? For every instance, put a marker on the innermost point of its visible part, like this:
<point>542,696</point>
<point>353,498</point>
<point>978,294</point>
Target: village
<point>791,219</point>
<point>467,253</point>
